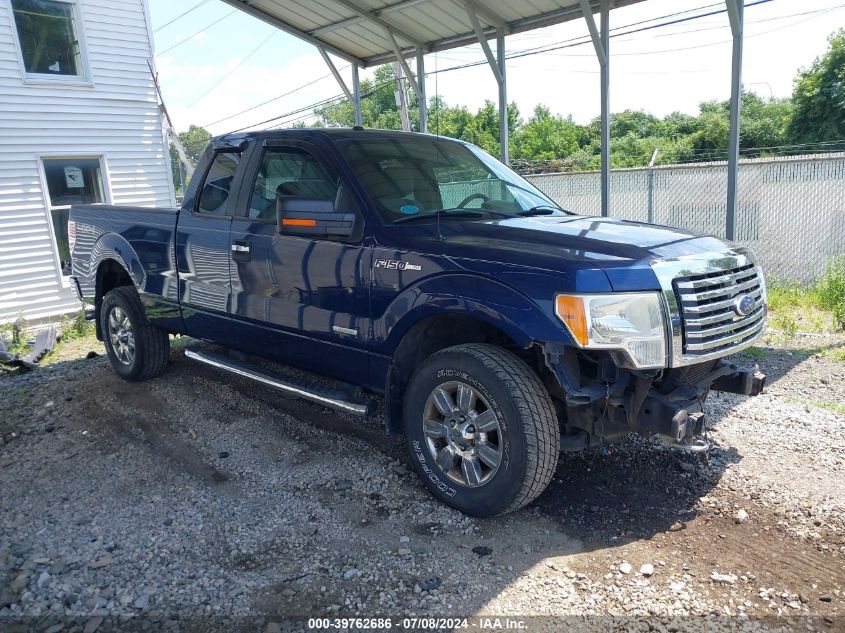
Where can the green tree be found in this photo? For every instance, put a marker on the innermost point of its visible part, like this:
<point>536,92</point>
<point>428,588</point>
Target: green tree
<point>378,105</point>
<point>763,123</point>
<point>819,96</point>
<point>195,140</point>
<point>546,136</point>
<point>636,122</point>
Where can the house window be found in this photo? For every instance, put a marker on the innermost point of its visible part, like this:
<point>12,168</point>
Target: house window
<point>48,36</point>
<point>70,181</point>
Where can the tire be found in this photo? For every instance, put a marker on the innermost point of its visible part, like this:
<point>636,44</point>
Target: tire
<point>137,350</point>
<point>505,391</point>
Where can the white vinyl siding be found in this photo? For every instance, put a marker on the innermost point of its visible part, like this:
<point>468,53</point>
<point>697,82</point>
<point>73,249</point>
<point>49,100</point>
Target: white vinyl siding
<point>116,117</point>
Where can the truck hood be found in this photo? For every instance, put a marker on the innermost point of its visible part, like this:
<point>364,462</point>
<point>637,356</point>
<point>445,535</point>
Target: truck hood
<point>623,249</point>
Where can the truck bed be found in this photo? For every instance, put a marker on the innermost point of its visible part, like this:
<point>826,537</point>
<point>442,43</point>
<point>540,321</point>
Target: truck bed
<point>141,238</point>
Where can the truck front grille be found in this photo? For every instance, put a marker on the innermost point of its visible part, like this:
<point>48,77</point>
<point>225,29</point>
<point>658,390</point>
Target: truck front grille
<point>711,315</point>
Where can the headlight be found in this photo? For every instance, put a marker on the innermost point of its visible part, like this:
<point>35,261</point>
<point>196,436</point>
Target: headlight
<point>632,322</point>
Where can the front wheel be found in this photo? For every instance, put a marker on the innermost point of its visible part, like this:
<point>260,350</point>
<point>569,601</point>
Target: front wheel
<point>137,350</point>
<point>481,429</point>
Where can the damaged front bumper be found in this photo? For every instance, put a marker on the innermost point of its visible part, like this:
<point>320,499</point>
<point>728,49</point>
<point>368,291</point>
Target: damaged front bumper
<point>600,401</point>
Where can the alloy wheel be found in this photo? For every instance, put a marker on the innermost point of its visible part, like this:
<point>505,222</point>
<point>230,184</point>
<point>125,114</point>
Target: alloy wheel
<point>121,335</point>
<point>463,434</point>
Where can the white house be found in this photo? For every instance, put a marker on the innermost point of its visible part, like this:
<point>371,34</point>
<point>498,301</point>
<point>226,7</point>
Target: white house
<point>79,123</point>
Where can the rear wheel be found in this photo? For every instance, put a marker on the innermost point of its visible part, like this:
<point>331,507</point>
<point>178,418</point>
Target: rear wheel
<point>481,429</point>
<point>137,350</point>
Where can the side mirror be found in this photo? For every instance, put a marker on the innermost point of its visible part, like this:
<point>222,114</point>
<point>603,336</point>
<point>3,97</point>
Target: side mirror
<point>312,217</point>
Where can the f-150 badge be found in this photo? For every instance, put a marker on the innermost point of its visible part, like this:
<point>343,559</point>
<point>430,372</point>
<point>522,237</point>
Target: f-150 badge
<point>393,264</point>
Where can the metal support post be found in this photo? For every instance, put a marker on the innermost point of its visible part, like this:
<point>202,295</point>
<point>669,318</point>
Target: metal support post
<point>401,99</point>
<point>402,63</point>
<point>497,65</point>
<point>605,109</point>
<point>504,131</point>
<point>335,73</point>
<point>601,42</point>
<point>735,14</point>
<point>651,187</point>
<point>423,98</point>
<point>353,95</point>
<point>356,96</point>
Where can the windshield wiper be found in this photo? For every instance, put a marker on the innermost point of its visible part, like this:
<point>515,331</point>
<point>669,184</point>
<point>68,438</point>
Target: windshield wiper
<point>541,209</point>
<point>444,214</point>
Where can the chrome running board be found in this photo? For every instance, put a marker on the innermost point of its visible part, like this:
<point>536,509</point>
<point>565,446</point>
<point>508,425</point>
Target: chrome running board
<point>326,396</point>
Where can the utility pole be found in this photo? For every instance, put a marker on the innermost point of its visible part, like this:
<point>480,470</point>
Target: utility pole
<point>401,99</point>
<point>186,166</point>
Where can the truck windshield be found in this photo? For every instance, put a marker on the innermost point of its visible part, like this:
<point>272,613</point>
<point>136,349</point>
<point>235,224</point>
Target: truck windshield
<point>416,178</point>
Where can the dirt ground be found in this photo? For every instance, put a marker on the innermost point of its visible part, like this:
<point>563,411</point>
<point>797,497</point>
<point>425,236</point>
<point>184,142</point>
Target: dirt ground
<point>199,497</point>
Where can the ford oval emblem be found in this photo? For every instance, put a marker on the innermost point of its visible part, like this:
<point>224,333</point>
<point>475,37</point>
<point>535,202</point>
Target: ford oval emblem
<point>744,305</point>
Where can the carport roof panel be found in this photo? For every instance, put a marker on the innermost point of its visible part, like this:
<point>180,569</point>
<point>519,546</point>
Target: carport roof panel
<point>357,29</point>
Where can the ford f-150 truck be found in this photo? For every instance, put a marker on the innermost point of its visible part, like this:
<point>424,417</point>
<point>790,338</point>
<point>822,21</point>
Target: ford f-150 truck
<point>499,328</point>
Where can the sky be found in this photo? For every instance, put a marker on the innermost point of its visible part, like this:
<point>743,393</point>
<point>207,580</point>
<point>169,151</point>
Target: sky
<point>214,63</point>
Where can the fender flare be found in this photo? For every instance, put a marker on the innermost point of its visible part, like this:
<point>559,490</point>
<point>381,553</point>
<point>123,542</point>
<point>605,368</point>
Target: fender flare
<point>505,308</point>
<point>477,296</point>
<point>112,246</point>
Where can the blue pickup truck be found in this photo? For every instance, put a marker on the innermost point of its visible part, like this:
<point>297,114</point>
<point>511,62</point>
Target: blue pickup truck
<point>499,328</point>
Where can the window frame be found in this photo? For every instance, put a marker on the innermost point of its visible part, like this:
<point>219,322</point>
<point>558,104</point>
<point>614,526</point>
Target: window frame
<point>84,79</point>
<point>230,210</point>
<point>48,203</point>
<point>330,163</point>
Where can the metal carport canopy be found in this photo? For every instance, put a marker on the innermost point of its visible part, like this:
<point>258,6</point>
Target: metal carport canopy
<point>372,32</point>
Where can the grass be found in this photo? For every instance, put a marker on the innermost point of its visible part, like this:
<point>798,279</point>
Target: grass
<point>836,353</point>
<point>817,307</point>
<point>830,291</point>
<point>757,352</point>
<point>819,404</point>
<point>76,327</point>
<point>830,406</point>
<point>15,336</point>
<point>73,328</point>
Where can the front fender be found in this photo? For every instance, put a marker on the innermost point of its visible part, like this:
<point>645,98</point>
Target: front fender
<point>521,318</point>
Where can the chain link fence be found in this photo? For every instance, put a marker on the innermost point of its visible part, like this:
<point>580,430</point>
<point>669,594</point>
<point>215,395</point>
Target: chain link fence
<point>790,211</point>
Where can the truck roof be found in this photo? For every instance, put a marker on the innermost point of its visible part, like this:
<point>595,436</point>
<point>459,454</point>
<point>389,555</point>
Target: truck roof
<point>335,133</point>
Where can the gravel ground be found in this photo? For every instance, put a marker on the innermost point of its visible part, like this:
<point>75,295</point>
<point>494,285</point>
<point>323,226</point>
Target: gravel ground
<point>198,499</point>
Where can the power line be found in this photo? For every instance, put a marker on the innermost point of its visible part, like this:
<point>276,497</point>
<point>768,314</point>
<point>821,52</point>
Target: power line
<point>573,42</point>
<point>229,74</point>
<point>471,64</point>
<point>292,112</point>
<point>276,98</point>
<point>180,16</point>
<point>749,22</point>
<point>309,109</point>
<point>202,30</point>
<point>446,69</point>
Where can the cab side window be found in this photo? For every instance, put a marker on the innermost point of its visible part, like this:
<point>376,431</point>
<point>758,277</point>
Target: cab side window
<point>218,183</point>
<point>289,172</point>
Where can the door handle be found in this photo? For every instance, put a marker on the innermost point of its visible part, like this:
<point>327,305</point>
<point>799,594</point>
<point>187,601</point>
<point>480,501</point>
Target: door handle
<point>241,251</point>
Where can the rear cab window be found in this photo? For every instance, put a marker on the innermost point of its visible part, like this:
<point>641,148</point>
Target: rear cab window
<point>217,184</point>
